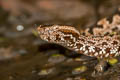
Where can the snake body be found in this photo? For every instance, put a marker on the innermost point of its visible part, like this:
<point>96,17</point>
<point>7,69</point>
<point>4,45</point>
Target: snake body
<point>69,37</point>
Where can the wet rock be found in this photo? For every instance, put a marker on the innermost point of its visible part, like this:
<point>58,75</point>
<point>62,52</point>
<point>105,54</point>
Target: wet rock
<point>20,28</point>
<point>45,72</point>
<point>79,70</point>
<point>112,61</point>
<point>56,58</point>
<point>84,58</point>
<point>70,60</point>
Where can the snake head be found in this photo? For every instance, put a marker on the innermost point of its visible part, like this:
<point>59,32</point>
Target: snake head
<point>58,34</point>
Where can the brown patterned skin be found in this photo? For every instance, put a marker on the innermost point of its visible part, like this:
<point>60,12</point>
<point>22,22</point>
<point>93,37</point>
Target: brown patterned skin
<point>69,37</point>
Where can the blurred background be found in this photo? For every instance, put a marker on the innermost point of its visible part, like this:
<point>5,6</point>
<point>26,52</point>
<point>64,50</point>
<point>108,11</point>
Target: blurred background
<point>22,54</point>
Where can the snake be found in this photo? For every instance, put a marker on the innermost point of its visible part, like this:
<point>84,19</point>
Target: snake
<point>99,46</point>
